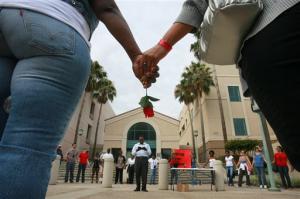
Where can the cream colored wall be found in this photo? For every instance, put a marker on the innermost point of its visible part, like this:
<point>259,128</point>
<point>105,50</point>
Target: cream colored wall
<point>227,76</point>
<point>116,130</point>
<point>83,142</point>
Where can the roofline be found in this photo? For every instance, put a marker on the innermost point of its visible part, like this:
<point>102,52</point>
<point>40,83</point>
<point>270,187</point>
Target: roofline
<point>140,108</point>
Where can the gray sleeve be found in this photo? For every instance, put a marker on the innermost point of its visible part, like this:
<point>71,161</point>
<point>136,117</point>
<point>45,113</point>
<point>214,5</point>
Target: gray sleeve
<point>192,13</point>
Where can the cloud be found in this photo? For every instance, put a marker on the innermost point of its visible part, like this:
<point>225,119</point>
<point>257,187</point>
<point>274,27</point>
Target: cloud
<point>148,20</point>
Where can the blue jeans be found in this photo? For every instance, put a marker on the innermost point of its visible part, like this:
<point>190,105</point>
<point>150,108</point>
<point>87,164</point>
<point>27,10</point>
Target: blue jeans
<point>153,175</point>
<point>284,176</point>
<point>260,172</point>
<point>70,166</point>
<point>44,67</point>
<point>229,170</point>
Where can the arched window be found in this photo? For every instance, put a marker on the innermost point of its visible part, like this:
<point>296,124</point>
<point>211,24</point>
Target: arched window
<point>141,129</point>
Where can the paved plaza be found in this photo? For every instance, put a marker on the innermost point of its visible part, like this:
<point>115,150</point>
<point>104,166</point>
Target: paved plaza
<point>95,191</point>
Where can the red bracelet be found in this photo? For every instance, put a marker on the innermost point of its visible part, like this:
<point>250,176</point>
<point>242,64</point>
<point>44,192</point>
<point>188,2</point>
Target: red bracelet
<point>165,45</point>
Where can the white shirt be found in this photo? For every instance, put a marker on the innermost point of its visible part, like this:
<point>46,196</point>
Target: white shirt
<point>229,161</point>
<point>153,163</point>
<point>141,153</point>
<point>57,9</point>
<point>130,161</point>
<point>107,156</point>
<point>212,163</point>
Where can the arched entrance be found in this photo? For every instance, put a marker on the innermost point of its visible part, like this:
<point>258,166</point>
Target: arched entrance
<point>141,129</point>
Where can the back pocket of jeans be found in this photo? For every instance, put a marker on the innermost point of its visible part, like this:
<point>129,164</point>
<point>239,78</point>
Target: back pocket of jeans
<point>55,41</point>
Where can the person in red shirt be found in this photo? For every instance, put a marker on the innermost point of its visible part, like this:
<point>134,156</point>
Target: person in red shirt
<point>83,161</point>
<point>281,161</point>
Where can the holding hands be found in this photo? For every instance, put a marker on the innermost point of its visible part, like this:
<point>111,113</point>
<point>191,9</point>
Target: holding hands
<point>145,66</point>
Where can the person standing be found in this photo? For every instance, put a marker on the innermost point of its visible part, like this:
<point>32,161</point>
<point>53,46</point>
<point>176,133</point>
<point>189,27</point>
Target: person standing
<point>141,151</point>
<point>267,52</point>
<point>229,161</point>
<point>281,161</point>
<point>258,163</point>
<point>120,163</point>
<point>59,152</point>
<point>211,163</point>
<point>71,158</point>
<point>244,166</point>
<point>83,162</point>
<point>45,65</point>
<point>130,169</point>
<point>96,168</point>
<point>173,162</point>
<point>153,166</point>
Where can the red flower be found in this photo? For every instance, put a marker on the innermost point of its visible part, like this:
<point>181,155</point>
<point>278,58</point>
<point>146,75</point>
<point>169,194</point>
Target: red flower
<point>148,111</point>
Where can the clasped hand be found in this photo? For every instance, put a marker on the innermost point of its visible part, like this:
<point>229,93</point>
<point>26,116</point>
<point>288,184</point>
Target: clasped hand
<point>145,65</point>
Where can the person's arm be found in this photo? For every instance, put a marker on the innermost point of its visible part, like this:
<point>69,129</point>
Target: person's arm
<point>253,162</point>
<point>189,20</point>
<point>133,152</point>
<point>108,12</point>
<point>148,149</point>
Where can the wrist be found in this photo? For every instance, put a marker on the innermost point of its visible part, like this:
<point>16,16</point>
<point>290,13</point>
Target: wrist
<point>166,45</point>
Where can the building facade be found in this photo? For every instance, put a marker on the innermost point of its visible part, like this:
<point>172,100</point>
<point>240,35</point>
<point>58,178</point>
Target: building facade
<point>87,124</point>
<point>240,121</point>
<point>160,132</point>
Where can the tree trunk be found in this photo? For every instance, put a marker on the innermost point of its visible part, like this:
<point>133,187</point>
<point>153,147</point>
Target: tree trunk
<point>96,133</point>
<point>79,119</point>
<point>193,137</point>
<point>202,130</point>
<point>224,131</point>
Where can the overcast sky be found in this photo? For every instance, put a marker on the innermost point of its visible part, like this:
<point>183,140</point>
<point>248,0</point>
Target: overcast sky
<point>148,20</point>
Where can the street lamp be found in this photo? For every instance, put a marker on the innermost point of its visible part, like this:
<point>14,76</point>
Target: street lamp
<point>80,133</point>
<point>197,154</point>
<point>265,135</point>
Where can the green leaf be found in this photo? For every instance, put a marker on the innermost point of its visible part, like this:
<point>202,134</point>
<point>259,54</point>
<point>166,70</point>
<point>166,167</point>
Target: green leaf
<point>153,99</point>
<point>144,102</point>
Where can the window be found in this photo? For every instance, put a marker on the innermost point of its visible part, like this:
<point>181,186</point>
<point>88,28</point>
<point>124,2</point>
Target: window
<point>234,93</point>
<point>141,129</point>
<point>183,128</point>
<point>179,133</point>
<point>166,153</point>
<point>240,126</point>
<point>88,134</point>
<point>92,110</point>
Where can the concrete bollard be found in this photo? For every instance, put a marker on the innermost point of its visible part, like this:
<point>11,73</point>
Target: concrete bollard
<point>163,170</point>
<point>54,170</point>
<point>219,176</point>
<point>108,172</point>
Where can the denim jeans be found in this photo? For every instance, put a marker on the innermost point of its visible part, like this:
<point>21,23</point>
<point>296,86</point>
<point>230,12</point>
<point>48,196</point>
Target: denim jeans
<point>284,176</point>
<point>44,67</point>
<point>81,169</point>
<point>70,166</point>
<point>229,170</point>
<point>260,172</point>
<point>174,177</point>
<point>153,175</point>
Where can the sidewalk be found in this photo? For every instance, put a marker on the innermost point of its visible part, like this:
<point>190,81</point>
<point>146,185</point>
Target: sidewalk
<point>95,191</point>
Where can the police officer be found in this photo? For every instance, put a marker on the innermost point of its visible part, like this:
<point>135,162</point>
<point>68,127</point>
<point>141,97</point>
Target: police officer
<point>142,152</point>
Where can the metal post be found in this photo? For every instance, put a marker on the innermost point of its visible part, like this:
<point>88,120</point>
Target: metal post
<point>264,130</point>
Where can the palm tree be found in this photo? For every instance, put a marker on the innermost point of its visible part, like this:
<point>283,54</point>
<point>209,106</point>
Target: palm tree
<point>195,48</point>
<point>97,73</point>
<point>202,81</point>
<point>184,94</point>
<point>106,91</point>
